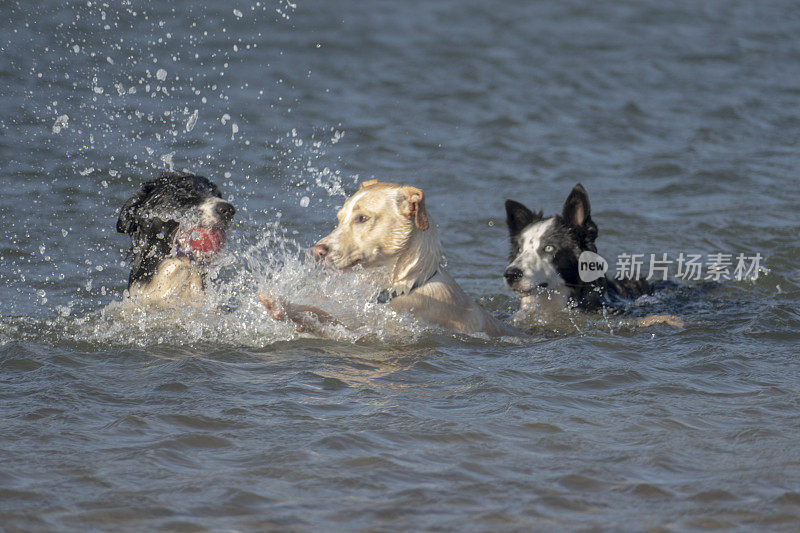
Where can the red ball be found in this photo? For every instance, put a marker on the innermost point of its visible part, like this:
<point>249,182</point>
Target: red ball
<point>206,240</point>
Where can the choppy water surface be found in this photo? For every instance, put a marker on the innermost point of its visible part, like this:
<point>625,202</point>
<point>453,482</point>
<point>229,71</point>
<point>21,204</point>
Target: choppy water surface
<point>681,120</point>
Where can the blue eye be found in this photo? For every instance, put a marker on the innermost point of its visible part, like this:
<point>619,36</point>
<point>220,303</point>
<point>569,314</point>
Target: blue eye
<point>549,248</point>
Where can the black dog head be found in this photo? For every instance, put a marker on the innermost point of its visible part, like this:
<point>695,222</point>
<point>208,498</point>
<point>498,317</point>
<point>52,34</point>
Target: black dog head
<point>161,211</point>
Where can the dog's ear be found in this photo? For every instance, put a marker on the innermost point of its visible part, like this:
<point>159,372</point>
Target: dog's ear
<point>577,210</point>
<point>368,183</point>
<point>126,223</point>
<point>414,206</point>
<point>518,216</point>
<point>578,213</point>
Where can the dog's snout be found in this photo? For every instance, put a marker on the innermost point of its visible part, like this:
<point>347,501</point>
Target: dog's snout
<point>225,211</point>
<point>512,274</point>
<point>321,250</point>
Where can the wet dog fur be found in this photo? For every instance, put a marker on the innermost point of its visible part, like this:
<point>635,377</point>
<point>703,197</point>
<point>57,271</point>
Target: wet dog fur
<point>387,225</point>
<point>165,271</point>
<point>544,261</point>
<point>545,251</point>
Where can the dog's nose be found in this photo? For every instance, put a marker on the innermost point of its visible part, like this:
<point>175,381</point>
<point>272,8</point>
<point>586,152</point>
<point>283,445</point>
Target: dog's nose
<point>512,274</point>
<point>225,211</point>
<point>321,250</point>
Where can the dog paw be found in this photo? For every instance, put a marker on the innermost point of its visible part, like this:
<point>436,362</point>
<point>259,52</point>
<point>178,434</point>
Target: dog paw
<point>671,320</point>
<point>274,308</point>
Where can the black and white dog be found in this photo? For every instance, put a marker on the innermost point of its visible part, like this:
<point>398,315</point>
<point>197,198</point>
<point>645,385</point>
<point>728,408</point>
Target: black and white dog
<point>544,257</point>
<point>176,222</point>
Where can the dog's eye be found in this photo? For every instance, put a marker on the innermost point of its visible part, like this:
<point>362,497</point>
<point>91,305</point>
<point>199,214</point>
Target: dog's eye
<point>549,248</point>
<point>360,219</point>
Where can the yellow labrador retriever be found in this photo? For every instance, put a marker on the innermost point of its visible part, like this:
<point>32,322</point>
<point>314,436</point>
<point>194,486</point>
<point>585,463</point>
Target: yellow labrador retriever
<point>387,225</point>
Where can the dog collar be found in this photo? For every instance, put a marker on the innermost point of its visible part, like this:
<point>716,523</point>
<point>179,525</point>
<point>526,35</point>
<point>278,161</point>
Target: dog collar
<point>385,296</point>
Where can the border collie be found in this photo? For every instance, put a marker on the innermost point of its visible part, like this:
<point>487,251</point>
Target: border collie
<point>544,257</point>
<point>177,222</point>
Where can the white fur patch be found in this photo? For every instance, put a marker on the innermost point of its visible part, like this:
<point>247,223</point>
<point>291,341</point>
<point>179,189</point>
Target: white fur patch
<point>176,283</point>
<point>537,266</point>
<point>209,216</point>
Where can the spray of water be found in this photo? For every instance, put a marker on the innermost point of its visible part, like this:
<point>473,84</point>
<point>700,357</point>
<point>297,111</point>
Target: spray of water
<point>230,313</point>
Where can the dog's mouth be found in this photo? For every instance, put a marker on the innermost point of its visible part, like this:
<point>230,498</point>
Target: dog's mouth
<point>331,259</point>
<point>538,288</point>
<point>352,264</point>
<point>330,262</point>
<point>203,241</point>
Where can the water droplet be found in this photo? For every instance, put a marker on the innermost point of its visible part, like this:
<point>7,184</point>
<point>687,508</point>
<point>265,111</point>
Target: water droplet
<point>192,121</point>
<point>62,122</point>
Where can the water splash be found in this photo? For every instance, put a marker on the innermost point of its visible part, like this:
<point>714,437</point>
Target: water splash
<point>231,313</point>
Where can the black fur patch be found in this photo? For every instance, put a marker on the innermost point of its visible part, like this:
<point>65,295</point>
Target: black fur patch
<point>518,217</point>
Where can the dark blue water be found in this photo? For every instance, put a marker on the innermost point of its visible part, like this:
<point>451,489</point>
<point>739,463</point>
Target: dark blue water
<point>681,119</point>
